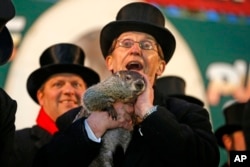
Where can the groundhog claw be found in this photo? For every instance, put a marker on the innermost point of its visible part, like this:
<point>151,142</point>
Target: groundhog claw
<point>112,113</point>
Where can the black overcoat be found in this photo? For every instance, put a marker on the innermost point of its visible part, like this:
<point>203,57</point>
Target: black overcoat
<point>26,144</point>
<point>8,108</point>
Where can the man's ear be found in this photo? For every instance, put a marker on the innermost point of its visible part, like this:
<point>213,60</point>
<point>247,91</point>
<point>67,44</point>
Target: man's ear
<point>227,141</point>
<point>39,95</point>
<point>109,63</point>
<point>161,68</point>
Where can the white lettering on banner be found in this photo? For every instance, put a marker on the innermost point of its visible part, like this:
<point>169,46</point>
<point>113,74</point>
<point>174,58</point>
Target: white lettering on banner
<point>225,79</point>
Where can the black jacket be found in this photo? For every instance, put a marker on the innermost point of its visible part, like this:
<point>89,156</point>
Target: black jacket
<point>8,108</point>
<point>26,144</point>
<point>178,134</point>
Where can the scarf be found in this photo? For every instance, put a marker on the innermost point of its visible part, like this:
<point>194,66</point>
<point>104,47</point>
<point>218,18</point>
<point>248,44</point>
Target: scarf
<point>45,122</point>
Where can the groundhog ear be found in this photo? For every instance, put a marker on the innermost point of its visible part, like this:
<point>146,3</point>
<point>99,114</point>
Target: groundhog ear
<point>117,74</point>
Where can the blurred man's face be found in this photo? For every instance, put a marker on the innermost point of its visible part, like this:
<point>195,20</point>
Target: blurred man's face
<point>234,141</point>
<point>60,93</point>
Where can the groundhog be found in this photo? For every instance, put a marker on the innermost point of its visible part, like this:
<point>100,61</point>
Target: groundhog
<point>123,86</point>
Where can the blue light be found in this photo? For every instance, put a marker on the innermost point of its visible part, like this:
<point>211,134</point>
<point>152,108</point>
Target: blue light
<point>173,11</point>
<point>231,18</point>
<point>212,16</point>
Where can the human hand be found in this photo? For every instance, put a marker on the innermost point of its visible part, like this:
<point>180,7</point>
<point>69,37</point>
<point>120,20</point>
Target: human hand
<point>101,121</point>
<point>145,101</point>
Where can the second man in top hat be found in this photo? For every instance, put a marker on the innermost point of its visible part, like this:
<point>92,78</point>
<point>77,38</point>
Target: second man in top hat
<point>57,86</point>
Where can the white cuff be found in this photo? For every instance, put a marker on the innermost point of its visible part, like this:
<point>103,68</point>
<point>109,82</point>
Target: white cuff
<point>90,133</point>
<point>150,111</point>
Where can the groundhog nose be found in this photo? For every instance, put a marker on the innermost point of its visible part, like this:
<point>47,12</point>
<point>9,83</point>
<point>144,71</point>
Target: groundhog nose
<point>139,85</point>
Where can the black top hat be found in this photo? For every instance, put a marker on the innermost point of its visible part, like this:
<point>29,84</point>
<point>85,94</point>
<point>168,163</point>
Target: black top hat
<point>7,12</point>
<point>142,17</point>
<point>174,86</point>
<point>60,58</point>
<point>233,113</point>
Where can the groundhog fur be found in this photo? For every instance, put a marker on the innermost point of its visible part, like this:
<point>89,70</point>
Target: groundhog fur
<point>123,86</point>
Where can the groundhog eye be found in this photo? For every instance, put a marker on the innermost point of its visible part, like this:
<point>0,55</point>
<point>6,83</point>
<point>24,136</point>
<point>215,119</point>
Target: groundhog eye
<point>128,77</point>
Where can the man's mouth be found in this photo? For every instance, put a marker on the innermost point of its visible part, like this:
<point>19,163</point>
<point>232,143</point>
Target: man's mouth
<point>134,66</point>
<point>68,102</point>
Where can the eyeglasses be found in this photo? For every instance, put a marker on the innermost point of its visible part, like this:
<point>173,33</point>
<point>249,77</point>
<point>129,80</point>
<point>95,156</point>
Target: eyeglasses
<point>145,44</point>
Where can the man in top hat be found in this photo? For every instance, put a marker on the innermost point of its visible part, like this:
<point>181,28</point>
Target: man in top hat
<point>7,12</point>
<point>8,106</point>
<point>231,135</point>
<point>169,131</point>
<point>246,123</point>
<point>57,86</point>
<point>174,86</point>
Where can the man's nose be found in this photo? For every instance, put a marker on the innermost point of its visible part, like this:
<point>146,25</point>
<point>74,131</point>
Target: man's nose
<point>68,88</point>
<point>135,49</point>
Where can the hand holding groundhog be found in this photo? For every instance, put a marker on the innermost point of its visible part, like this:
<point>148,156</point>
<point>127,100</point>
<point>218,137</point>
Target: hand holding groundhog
<point>100,122</point>
<point>144,101</point>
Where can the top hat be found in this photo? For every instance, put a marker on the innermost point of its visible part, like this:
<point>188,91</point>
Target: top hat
<point>174,86</point>
<point>7,12</point>
<point>233,113</point>
<point>60,58</point>
<point>141,17</point>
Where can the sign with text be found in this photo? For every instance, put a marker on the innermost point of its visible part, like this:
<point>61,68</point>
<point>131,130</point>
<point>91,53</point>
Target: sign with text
<point>239,158</point>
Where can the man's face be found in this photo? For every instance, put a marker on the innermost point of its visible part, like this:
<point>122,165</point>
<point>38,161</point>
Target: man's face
<point>60,93</point>
<point>234,141</point>
<point>127,56</point>
<point>238,140</point>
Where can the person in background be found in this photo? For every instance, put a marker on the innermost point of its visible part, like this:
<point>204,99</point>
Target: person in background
<point>8,106</point>
<point>231,135</point>
<point>57,86</point>
<point>168,131</point>
<point>246,123</point>
<point>175,86</point>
